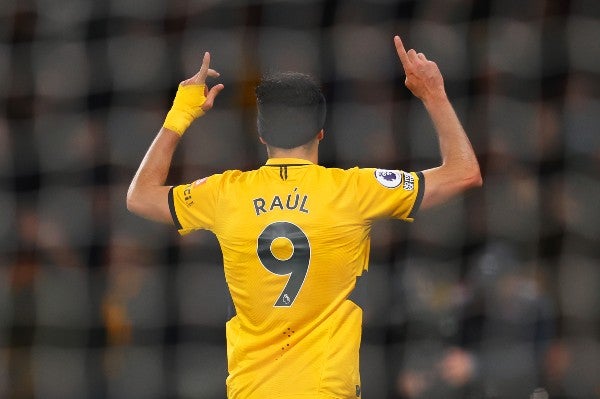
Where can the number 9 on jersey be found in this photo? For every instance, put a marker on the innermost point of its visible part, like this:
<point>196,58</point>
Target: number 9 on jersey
<point>296,265</point>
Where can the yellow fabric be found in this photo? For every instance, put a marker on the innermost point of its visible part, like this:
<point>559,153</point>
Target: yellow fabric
<point>295,333</point>
<point>186,108</point>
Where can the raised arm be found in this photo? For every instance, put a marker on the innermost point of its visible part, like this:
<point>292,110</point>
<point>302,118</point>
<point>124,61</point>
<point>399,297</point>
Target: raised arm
<point>459,170</point>
<point>147,195</point>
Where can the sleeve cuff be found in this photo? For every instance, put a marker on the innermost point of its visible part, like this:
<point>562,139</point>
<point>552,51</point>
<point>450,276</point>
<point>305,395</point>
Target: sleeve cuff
<point>420,191</point>
<point>172,209</point>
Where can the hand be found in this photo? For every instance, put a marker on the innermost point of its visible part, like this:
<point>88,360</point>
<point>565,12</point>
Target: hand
<point>193,99</point>
<point>200,79</point>
<point>423,77</point>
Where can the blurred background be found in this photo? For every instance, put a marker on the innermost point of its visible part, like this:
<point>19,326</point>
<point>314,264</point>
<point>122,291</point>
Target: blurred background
<point>490,296</point>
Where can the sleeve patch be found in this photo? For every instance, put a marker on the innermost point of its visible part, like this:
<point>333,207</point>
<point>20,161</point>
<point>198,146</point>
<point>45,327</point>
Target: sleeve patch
<point>389,178</point>
<point>187,195</point>
<point>409,182</point>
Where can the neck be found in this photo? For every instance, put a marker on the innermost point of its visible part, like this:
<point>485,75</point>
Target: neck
<point>309,153</point>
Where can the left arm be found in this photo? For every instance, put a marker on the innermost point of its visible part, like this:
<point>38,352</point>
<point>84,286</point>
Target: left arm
<point>147,195</point>
<point>459,170</point>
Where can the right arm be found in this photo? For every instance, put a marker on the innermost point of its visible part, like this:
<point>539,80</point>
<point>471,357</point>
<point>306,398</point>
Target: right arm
<point>148,195</point>
<point>459,170</point>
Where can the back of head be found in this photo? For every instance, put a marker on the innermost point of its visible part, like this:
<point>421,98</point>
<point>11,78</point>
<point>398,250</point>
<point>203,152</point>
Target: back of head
<point>291,109</point>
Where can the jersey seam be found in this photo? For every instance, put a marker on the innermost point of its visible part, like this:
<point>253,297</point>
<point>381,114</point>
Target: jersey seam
<point>324,360</point>
<point>216,215</point>
<point>359,213</point>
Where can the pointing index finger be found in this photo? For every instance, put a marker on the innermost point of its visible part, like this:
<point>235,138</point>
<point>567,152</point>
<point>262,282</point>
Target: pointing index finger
<point>204,68</point>
<point>401,51</point>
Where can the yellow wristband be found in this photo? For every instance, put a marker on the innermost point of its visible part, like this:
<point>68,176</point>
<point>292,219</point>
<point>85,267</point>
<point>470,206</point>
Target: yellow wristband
<point>186,107</point>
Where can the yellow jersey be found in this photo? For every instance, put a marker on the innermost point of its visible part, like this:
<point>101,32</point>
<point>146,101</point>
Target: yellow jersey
<point>294,237</point>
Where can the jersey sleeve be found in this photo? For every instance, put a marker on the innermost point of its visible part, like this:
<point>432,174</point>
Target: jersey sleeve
<point>384,193</point>
<point>193,206</point>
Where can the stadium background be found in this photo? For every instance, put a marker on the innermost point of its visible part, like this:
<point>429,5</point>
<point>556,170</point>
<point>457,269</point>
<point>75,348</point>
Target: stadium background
<point>490,296</point>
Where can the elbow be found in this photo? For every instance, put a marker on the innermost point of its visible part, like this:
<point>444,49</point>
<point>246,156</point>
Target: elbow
<point>473,178</point>
<point>479,181</point>
<point>132,202</point>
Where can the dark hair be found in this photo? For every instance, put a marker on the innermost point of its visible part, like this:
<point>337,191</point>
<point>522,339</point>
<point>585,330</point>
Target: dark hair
<point>291,109</point>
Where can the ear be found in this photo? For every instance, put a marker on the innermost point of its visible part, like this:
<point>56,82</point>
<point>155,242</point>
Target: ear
<point>262,140</point>
<point>321,134</point>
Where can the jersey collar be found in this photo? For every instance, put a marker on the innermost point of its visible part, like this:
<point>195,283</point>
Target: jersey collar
<point>288,161</point>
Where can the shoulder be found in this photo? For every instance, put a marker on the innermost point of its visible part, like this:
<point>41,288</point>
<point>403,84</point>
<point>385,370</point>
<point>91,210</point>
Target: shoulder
<point>378,177</point>
<point>232,174</point>
<point>339,172</point>
<point>386,177</point>
<point>227,175</point>
<point>356,173</point>
<point>230,178</point>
